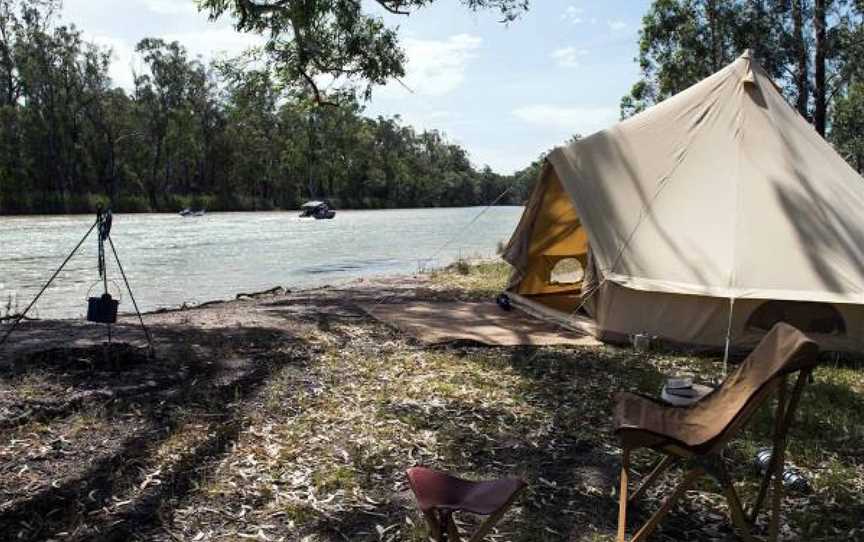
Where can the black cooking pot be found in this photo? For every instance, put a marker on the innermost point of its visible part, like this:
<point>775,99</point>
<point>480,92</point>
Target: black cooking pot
<point>102,310</point>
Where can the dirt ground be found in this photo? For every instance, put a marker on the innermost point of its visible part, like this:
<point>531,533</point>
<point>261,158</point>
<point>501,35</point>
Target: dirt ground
<point>292,416</point>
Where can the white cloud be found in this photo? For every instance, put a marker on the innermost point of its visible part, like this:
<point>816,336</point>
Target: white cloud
<point>123,59</point>
<point>569,120</point>
<point>617,24</point>
<point>207,44</point>
<point>568,57</point>
<point>430,119</point>
<point>215,42</point>
<point>171,7</point>
<point>504,158</point>
<point>435,67</point>
<point>573,14</point>
<point>440,116</point>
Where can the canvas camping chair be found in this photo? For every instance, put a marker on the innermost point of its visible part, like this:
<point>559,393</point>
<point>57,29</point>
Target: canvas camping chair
<point>440,495</point>
<point>696,434</point>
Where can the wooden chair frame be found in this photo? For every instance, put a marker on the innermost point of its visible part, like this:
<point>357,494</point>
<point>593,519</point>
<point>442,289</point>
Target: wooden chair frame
<point>710,462</point>
<point>442,527</point>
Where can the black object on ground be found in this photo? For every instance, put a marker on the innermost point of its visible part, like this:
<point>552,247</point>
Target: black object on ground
<point>791,478</point>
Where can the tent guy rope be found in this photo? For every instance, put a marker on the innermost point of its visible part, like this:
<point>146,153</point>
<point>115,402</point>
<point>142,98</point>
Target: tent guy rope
<point>453,238</point>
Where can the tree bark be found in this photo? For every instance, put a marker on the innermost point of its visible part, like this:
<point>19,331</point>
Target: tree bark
<point>820,105</point>
<point>801,55</point>
<point>154,172</point>
<point>311,156</point>
<point>715,33</point>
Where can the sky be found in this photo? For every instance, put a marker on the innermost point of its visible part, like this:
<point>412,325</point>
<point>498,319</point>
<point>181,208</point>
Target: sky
<point>506,92</point>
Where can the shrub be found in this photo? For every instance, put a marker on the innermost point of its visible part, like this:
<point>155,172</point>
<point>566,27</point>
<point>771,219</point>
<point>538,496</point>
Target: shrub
<point>462,266</point>
<point>133,203</point>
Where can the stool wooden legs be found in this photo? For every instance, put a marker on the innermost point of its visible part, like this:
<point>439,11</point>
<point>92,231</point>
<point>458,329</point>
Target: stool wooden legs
<point>442,527</point>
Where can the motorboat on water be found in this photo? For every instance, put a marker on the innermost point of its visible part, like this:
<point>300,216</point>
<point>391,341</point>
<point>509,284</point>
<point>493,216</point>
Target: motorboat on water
<point>318,210</point>
<point>189,212</point>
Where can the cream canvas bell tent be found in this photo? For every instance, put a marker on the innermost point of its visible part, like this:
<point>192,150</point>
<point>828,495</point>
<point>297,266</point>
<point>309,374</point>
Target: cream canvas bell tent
<point>706,218</point>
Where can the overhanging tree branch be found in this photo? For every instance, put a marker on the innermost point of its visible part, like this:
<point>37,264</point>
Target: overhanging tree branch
<point>307,39</point>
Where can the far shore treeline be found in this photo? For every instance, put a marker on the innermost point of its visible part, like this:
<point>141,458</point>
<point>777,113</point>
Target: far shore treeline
<point>218,136</point>
<point>256,132</point>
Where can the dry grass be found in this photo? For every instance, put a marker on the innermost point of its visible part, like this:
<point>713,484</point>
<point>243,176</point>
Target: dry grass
<point>482,280</point>
<point>319,449</point>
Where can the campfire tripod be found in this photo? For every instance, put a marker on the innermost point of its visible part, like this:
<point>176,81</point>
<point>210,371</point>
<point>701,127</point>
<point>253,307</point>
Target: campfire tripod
<point>104,309</point>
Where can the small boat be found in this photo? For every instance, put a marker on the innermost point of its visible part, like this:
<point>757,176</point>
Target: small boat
<point>189,212</point>
<point>318,210</point>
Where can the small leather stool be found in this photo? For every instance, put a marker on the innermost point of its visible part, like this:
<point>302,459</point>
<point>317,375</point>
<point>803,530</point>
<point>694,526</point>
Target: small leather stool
<point>439,495</point>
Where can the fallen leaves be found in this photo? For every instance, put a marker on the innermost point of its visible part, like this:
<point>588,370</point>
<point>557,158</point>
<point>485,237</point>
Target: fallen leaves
<point>308,440</point>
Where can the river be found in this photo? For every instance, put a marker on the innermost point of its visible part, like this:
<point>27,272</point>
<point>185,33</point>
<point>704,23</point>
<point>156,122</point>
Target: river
<point>171,260</point>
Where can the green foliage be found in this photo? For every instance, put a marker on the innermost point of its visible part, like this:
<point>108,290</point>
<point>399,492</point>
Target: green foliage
<point>684,41</point>
<point>337,39</point>
<point>131,203</point>
<point>848,126</point>
<point>522,182</point>
<point>811,48</point>
<point>220,137</point>
<point>462,266</point>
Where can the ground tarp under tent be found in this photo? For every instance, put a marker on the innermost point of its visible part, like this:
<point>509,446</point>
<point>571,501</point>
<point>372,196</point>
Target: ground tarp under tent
<point>482,323</point>
<point>713,214</point>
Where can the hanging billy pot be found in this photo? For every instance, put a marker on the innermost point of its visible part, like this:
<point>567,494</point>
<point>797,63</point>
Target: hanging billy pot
<point>103,309</point>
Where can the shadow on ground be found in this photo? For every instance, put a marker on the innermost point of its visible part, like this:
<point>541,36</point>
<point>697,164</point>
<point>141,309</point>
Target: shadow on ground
<point>129,436</point>
<point>102,450</point>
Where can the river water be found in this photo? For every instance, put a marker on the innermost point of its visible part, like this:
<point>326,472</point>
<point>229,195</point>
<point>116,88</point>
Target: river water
<point>171,260</point>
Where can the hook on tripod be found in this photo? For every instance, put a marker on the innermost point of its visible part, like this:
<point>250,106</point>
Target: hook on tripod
<point>103,227</point>
<point>104,219</point>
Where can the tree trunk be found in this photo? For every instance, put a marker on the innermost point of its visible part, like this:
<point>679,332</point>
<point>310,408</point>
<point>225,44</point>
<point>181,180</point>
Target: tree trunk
<point>154,172</point>
<point>715,33</point>
<point>110,171</point>
<point>821,106</point>
<point>311,158</point>
<point>801,55</point>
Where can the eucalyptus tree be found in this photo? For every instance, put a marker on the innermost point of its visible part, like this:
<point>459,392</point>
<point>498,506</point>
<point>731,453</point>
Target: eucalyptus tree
<point>337,146</point>
<point>199,129</point>
<point>163,112</point>
<point>52,67</point>
<point>106,114</point>
<point>230,135</point>
<point>252,124</point>
<point>307,40</point>
<point>12,187</point>
<point>684,41</point>
<point>809,47</point>
<point>848,125</point>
